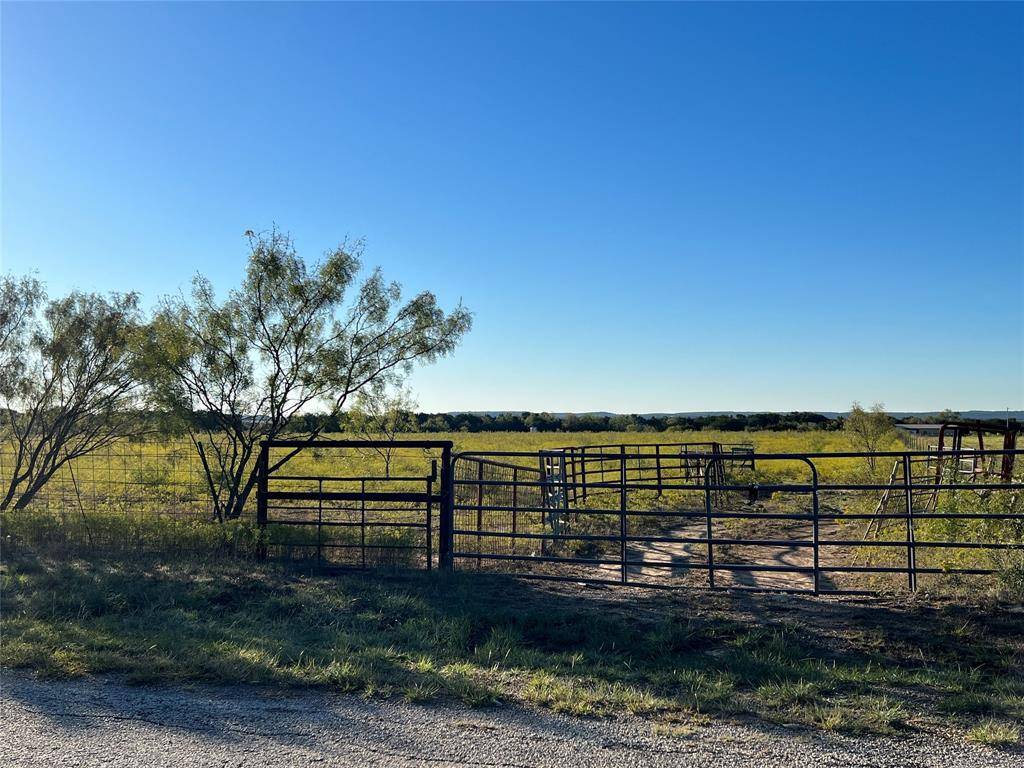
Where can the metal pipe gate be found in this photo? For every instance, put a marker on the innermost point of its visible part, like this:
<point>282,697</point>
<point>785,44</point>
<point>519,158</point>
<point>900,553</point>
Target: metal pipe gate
<point>658,515</point>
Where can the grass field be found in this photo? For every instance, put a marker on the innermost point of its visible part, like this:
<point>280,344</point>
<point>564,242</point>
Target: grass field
<point>154,494</point>
<point>678,660</point>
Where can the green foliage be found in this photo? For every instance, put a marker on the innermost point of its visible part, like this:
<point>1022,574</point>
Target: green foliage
<point>291,336</point>
<point>112,532</point>
<point>869,430</point>
<point>68,374</point>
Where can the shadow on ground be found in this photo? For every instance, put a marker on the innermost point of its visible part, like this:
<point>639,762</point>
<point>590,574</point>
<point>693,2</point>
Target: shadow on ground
<point>858,665</point>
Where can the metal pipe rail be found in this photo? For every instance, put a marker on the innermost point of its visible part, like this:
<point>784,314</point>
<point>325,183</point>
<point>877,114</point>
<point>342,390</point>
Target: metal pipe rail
<point>576,528</point>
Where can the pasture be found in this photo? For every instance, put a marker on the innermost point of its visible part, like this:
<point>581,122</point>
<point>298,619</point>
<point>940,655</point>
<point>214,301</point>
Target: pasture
<point>118,567</point>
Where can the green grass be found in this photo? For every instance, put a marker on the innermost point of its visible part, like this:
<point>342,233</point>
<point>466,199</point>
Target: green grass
<point>994,734</point>
<point>855,667</point>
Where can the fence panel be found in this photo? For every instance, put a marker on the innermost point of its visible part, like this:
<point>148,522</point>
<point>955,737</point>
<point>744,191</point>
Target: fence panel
<point>735,519</point>
<point>316,514</point>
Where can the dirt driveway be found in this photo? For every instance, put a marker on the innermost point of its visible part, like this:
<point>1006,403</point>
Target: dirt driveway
<point>670,562</point>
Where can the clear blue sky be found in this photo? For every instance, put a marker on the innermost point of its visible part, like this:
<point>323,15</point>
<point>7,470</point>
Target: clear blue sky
<point>648,207</point>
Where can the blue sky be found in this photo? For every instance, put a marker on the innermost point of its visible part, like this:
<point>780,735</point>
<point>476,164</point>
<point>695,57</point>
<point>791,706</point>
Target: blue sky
<point>648,207</point>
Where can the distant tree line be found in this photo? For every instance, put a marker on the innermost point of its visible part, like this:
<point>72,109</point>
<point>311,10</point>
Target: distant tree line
<point>355,422</point>
<point>525,421</point>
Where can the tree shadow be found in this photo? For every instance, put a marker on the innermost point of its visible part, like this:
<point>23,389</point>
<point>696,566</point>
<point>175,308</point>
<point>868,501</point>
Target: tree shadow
<point>389,634</point>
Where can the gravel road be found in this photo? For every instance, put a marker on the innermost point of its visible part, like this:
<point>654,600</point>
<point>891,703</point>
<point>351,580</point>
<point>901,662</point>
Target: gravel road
<point>104,722</point>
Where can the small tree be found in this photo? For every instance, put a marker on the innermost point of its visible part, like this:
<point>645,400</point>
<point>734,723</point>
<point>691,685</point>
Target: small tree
<point>870,430</point>
<point>290,336</point>
<point>381,414</point>
<point>67,380</point>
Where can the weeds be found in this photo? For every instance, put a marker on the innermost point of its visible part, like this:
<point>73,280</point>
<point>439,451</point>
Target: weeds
<point>480,640</point>
<point>994,734</point>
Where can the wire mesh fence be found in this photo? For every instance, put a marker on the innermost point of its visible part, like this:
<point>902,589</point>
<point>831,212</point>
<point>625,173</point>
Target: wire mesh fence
<point>129,495</point>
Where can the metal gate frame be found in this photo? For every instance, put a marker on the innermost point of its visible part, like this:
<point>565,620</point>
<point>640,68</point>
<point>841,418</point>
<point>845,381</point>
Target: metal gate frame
<point>443,498</point>
<point>554,480</point>
<point>901,486</point>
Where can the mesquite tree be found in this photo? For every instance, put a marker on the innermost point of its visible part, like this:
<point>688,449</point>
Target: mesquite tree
<point>67,380</point>
<point>291,336</point>
<point>870,430</point>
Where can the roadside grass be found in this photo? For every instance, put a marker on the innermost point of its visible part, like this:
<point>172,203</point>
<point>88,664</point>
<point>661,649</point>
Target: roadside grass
<point>994,734</point>
<point>832,665</point>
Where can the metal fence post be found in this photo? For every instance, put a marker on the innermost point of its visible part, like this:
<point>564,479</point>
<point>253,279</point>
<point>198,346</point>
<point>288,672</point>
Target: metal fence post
<point>515,497</point>
<point>710,527</point>
<point>565,494</point>
<point>816,531</point>
<point>446,519</point>
<point>657,464</point>
<point>583,471</point>
<point>622,513</point>
<point>543,504</point>
<point>261,499</point>
<point>570,473</point>
<point>362,520</point>
<point>911,548</point>
<point>479,509</point>
<point>319,521</point>
<point>430,511</point>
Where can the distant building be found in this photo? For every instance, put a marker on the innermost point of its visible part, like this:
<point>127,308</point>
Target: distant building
<point>920,437</point>
<point>920,429</point>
